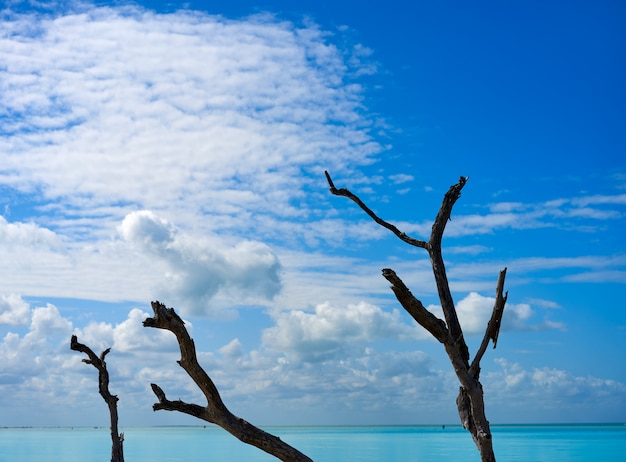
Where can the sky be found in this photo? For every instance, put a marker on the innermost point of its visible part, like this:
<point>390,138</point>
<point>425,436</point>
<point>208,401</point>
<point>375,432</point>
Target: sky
<point>175,151</point>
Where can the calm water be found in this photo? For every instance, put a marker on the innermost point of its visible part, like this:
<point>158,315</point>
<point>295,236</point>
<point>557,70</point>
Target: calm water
<point>535,443</point>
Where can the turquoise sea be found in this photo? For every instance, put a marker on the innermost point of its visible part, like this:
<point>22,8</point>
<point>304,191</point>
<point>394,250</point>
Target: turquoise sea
<point>535,443</point>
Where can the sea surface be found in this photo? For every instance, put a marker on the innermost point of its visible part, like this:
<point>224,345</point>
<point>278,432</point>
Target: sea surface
<point>537,443</point>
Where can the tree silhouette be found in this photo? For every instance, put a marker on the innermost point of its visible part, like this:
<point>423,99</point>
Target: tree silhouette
<point>470,402</point>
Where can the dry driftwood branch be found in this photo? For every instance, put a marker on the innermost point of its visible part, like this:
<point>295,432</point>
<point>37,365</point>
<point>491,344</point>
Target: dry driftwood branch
<point>345,193</point>
<point>117,450</point>
<point>215,411</point>
<point>415,308</point>
<point>470,402</point>
<point>493,326</point>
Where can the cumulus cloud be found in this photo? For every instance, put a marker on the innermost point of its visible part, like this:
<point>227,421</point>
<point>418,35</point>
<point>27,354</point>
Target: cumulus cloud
<point>130,335</point>
<point>232,350</point>
<point>200,269</point>
<point>40,375</point>
<point>13,310</point>
<point>359,382</point>
<point>474,312</point>
<point>329,330</point>
<point>47,322</point>
<point>349,380</point>
<point>551,389</point>
<point>24,357</point>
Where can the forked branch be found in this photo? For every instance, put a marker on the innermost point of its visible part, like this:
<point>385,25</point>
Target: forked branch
<point>215,411</point>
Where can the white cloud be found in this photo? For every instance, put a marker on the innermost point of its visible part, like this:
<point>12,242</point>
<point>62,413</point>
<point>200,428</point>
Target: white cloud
<point>329,330</point>
<point>28,235</point>
<point>222,126</point>
<point>13,310</point>
<point>401,178</point>
<point>130,335</point>
<point>544,303</point>
<point>39,373</point>
<point>199,269</point>
<point>47,322</point>
<point>349,379</point>
<point>358,383</point>
<point>474,312</point>
<point>468,249</point>
<point>232,350</point>
<point>57,267</point>
<point>598,277</point>
<point>597,268</point>
<point>147,230</point>
<point>183,112</point>
<point>558,213</point>
<point>550,389</point>
<point>24,358</point>
<point>598,199</point>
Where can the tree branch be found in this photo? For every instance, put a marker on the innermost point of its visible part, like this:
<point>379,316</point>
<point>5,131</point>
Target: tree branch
<point>493,326</point>
<point>117,450</point>
<point>415,308</point>
<point>346,193</point>
<point>167,319</point>
<point>178,405</point>
<point>215,411</point>
<point>439,269</point>
<point>449,199</point>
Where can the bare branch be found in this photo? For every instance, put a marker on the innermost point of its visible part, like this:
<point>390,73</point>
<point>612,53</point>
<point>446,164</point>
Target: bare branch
<point>167,319</point>
<point>178,405</point>
<point>445,210</point>
<point>215,411</point>
<point>439,269</point>
<point>346,193</point>
<point>498,309</point>
<point>415,308</point>
<point>493,326</point>
<point>117,450</point>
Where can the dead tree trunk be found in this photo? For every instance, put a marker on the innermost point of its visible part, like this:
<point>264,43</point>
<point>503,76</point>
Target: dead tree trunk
<point>117,450</point>
<point>470,401</point>
<point>215,411</point>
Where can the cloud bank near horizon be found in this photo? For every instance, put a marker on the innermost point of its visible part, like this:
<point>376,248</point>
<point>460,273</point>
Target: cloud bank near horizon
<point>315,364</point>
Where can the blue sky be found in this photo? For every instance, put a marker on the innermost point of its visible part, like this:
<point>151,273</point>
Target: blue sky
<point>175,151</point>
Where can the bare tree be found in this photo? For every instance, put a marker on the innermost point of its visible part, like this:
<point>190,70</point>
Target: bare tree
<point>117,450</point>
<point>215,411</point>
<point>470,401</point>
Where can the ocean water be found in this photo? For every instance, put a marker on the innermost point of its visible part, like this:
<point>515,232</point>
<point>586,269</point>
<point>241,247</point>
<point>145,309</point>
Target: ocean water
<point>537,443</point>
